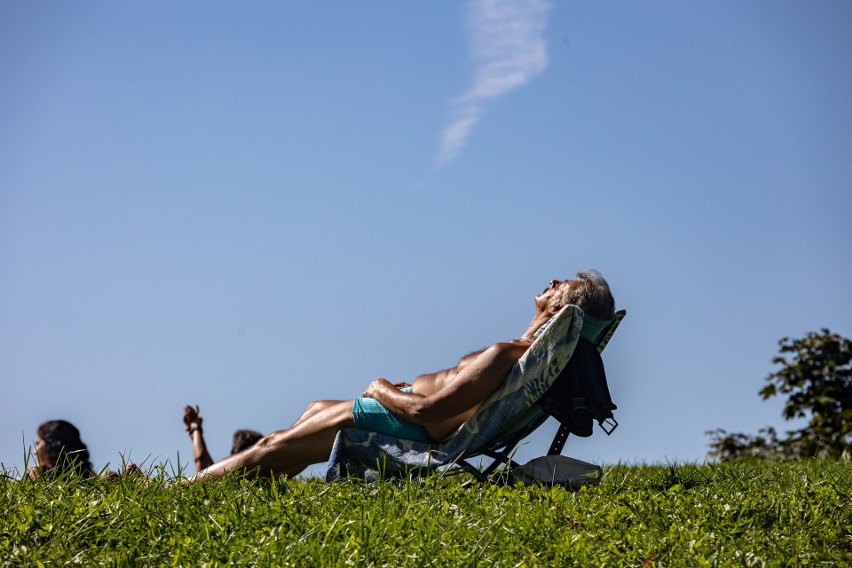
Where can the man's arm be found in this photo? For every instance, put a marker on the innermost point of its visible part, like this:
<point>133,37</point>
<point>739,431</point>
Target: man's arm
<point>472,384</point>
<point>193,422</point>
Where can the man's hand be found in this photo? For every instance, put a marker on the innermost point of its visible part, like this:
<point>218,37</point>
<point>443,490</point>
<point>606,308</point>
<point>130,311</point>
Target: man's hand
<point>377,386</point>
<point>190,417</point>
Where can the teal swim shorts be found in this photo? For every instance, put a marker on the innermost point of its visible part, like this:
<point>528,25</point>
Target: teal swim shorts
<point>370,415</point>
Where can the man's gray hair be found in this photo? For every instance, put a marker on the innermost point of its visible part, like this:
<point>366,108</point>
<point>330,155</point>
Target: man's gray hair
<point>591,294</point>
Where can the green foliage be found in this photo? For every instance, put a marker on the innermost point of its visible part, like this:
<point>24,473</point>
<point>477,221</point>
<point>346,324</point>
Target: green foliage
<point>726,447</point>
<point>743,513</point>
<point>816,377</point>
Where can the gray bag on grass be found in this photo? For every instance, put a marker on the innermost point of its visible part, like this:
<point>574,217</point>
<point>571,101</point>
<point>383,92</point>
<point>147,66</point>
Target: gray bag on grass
<point>558,470</point>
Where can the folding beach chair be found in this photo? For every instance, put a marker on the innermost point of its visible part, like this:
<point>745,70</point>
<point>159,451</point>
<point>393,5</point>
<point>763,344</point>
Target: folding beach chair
<point>542,383</point>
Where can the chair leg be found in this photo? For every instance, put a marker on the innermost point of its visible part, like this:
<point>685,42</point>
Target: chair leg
<point>481,477</point>
<point>487,475</point>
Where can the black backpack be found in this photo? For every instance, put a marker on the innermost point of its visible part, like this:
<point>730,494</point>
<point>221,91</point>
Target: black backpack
<point>580,396</point>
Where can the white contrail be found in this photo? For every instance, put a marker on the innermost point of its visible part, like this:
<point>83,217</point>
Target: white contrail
<point>508,49</point>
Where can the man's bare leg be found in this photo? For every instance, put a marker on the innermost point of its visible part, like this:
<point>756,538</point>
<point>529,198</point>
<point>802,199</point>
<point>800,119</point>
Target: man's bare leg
<point>313,408</point>
<point>287,452</point>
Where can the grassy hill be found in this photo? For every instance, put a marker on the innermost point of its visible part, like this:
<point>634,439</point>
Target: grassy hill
<point>735,514</point>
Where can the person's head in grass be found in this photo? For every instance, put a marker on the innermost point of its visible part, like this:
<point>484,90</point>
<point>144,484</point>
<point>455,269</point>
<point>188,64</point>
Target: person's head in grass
<point>60,449</point>
<point>244,439</point>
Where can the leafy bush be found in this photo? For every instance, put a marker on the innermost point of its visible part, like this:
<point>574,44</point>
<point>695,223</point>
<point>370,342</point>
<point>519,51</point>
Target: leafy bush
<point>817,379</point>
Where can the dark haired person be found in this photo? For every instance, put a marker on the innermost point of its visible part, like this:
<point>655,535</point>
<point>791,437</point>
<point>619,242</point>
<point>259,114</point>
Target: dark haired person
<point>431,409</point>
<point>59,449</point>
<point>242,439</point>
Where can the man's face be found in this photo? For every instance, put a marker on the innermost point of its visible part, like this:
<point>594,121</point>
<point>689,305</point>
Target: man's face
<point>550,298</point>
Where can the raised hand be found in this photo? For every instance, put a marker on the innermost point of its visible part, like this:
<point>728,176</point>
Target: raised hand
<point>191,416</point>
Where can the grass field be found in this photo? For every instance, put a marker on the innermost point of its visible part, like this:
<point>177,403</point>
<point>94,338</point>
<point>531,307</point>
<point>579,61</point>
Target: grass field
<point>735,514</point>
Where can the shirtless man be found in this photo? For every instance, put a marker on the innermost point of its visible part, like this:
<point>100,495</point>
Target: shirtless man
<point>437,404</point>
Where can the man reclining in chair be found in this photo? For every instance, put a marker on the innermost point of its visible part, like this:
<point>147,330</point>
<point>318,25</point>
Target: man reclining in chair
<point>430,409</point>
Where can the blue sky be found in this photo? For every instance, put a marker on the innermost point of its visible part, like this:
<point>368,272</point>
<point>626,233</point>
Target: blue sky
<point>251,206</point>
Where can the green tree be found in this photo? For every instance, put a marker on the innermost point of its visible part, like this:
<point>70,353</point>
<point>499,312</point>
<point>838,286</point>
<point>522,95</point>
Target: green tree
<point>816,377</point>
